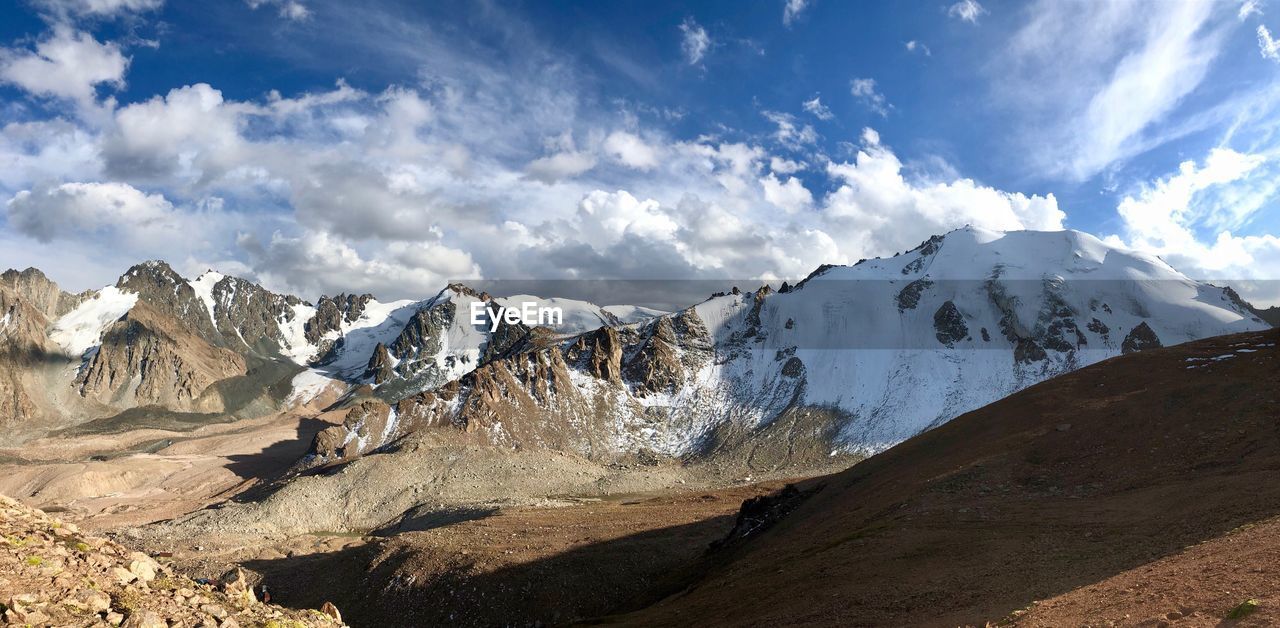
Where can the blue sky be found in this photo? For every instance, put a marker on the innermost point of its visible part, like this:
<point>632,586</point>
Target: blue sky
<point>320,146</point>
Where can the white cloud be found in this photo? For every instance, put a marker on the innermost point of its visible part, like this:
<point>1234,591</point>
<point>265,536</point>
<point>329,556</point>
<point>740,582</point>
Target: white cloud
<point>694,41</point>
<point>792,10</point>
<point>1249,7</point>
<point>288,9</point>
<point>819,110</point>
<point>631,150</point>
<point>864,89</point>
<point>63,9</point>
<point>876,208</point>
<point>72,209</point>
<point>553,168</point>
<point>1093,88</point>
<point>1189,218</point>
<point>789,132</point>
<point>967,10</point>
<point>1269,47</point>
<point>790,195</point>
<point>190,133</point>
<point>67,64</point>
<point>316,262</point>
<point>918,46</point>
<point>782,165</point>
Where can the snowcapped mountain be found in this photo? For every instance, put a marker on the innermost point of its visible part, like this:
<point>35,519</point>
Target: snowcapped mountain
<point>853,359</point>
<point>223,345</point>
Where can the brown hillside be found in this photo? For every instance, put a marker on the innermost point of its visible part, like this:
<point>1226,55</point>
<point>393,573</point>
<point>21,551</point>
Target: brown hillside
<point>1112,492</point>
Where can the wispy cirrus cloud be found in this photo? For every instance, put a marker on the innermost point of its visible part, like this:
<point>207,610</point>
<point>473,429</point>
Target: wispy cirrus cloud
<point>694,41</point>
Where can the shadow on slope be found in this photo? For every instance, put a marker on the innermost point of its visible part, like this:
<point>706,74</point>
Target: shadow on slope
<point>276,459</point>
<point>477,577</point>
<point>1056,487</point>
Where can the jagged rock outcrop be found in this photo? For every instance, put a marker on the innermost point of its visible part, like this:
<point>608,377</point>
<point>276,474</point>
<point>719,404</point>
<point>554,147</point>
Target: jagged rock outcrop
<point>604,354</point>
<point>248,314</point>
<point>380,365</point>
<point>331,312</point>
<point>1140,338</point>
<point>169,295</point>
<point>948,324</point>
<point>39,292</point>
<point>367,424</point>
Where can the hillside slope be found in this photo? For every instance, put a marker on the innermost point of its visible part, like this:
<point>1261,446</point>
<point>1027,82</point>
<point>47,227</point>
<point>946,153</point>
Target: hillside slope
<point>1068,488</point>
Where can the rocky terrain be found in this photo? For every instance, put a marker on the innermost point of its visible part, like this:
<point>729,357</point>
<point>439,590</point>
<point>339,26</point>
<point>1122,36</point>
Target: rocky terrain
<point>52,574</point>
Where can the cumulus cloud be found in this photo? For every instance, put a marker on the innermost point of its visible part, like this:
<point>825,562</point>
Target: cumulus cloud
<point>864,89</point>
<point>819,110</point>
<point>967,11</point>
<point>66,64</point>
<point>875,200</point>
<point>694,41</point>
<point>316,262</point>
<point>792,10</point>
<point>790,195</point>
<point>1188,217</point>
<point>631,150</point>
<point>90,208</point>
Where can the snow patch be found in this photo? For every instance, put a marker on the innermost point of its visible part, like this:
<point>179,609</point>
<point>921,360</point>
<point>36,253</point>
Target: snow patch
<point>81,329</point>
<point>203,287</point>
<point>307,385</point>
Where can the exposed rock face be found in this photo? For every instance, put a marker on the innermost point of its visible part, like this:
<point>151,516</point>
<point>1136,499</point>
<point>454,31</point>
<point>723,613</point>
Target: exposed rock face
<point>379,365</point>
<point>39,292</point>
<point>148,358</point>
<point>248,314</point>
<point>169,295</point>
<point>655,365</point>
<point>909,297</point>
<point>368,424</point>
<point>1140,338</point>
<point>605,354</point>
<point>331,312</point>
<point>55,575</point>
<point>948,324</point>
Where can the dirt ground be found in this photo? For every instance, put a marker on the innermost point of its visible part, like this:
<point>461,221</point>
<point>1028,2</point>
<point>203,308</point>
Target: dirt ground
<point>545,565</point>
<point>106,481</point>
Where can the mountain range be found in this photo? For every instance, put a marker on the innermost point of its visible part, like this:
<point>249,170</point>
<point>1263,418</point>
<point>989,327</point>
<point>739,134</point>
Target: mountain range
<point>851,360</point>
